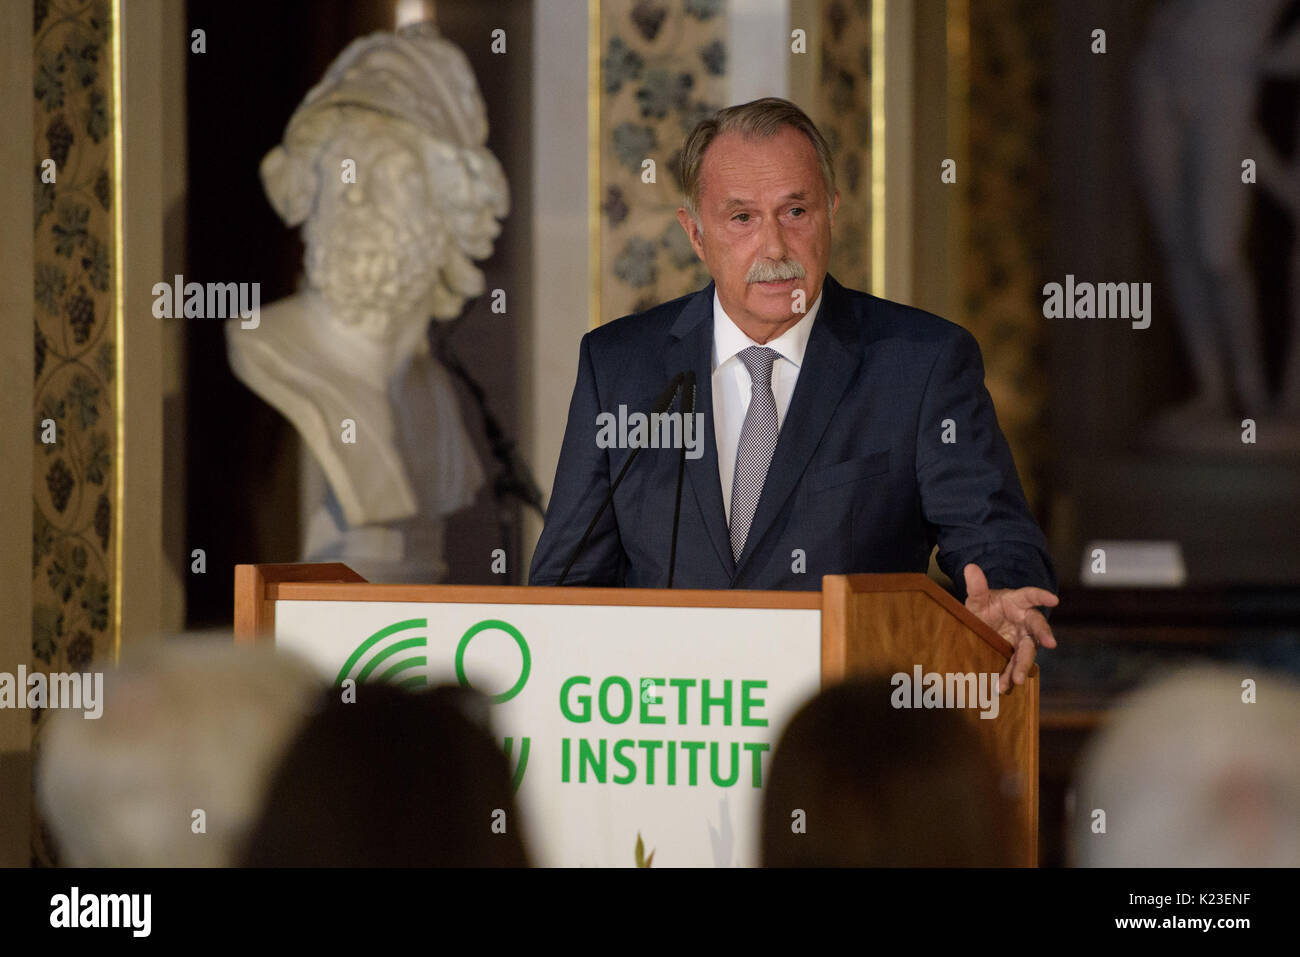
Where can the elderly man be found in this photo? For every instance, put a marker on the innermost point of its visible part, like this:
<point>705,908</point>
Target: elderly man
<point>848,433</point>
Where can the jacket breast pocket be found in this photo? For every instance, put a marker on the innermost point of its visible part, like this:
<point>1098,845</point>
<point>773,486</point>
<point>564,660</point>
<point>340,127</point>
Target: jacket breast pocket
<point>877,463</point>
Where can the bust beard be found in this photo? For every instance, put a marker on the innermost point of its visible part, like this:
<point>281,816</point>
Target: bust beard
<point>375,271</point>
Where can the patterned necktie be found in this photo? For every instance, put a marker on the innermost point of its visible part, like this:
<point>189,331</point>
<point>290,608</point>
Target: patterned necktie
<point>757,443</point>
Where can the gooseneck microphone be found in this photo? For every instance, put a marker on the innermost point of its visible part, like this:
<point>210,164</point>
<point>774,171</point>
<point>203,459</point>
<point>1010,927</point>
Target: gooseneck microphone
<point>661,405</point>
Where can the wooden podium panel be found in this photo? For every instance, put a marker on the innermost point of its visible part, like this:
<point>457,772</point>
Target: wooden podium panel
<point>884,624</point>
<point>255,592</point>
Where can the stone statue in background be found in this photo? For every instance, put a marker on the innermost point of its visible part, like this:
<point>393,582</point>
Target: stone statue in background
<point>384,166</point>
<point>1198,82</point>
<point>1281,177</point>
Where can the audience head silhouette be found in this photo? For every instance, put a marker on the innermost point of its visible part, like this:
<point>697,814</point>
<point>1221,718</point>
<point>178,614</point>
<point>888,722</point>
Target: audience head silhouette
<point>881,787</point>
<point>393,779</point>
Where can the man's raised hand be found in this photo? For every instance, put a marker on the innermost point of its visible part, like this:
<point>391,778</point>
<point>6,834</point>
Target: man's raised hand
<point>1013,614</point>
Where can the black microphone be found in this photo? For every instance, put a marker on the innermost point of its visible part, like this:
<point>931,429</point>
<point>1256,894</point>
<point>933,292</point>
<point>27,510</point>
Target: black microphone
<point>661,404</point>
<point>687,407</point>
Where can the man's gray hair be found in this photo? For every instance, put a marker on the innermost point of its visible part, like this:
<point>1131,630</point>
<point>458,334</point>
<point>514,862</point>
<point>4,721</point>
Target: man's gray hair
<point>757,118</point>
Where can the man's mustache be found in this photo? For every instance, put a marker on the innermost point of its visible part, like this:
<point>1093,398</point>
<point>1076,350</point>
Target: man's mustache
<point>775,272</point>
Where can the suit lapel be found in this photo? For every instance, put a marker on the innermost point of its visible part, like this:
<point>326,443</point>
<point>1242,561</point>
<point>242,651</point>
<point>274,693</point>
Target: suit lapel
<point>691,347</point>
<point>828,367</point>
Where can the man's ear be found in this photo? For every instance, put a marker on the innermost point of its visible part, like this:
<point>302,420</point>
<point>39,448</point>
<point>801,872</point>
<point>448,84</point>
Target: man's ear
<point>692,232</point>
<point>835,206</point>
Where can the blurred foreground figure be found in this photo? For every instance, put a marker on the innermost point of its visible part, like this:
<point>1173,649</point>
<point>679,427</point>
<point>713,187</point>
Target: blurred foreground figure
<point>392,780</point>
<point>1188,774</point>
<point>880,787</point>
<point>173,773</point>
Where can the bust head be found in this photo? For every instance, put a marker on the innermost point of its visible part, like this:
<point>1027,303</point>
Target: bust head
<point>384,166</point>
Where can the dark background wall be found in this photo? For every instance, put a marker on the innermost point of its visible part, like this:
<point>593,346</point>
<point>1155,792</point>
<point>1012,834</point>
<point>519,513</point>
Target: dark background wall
<point>241,455</point>
<point>1234,510</point>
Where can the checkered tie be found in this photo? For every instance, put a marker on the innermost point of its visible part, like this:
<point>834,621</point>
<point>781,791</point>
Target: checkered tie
<point>757,443</point>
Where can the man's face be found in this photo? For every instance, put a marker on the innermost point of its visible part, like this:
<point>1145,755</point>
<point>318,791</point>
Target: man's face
<point>763,216</point>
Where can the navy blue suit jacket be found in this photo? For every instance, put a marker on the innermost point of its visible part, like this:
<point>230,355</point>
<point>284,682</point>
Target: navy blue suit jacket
<point>861,480</point>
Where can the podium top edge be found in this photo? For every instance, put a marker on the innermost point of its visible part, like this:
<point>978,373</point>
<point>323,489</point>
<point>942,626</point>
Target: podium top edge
<point>543,595</point>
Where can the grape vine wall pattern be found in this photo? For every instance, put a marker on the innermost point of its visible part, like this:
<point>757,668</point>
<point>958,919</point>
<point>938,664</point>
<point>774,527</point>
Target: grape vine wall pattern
<point>73,487</point>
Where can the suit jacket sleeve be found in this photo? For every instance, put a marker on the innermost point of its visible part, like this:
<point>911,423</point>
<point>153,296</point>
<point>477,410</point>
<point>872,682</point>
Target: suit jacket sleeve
<point>971,497</point>
<point>582,481</point>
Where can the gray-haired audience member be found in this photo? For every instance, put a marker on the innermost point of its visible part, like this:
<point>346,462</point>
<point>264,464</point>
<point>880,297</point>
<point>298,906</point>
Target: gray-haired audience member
<point>175,770</point>
<point>1188,774</point>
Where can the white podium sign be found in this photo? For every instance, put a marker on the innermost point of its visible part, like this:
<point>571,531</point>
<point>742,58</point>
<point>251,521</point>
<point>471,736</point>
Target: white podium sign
<point>618,720</point>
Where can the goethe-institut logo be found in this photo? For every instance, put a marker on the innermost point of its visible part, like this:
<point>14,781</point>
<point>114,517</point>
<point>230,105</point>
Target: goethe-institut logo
<point>398,654</point>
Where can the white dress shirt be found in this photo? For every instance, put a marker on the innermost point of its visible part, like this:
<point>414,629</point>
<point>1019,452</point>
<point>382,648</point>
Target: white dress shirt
<point>732,386</point>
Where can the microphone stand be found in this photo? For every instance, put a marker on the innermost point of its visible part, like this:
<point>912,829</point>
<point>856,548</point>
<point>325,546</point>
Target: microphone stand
<point>686,408</point>
<point>513,479</point>
<point>662,403</point>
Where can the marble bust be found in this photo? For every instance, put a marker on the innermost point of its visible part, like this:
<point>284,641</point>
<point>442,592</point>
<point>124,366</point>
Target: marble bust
<point>384,167</point>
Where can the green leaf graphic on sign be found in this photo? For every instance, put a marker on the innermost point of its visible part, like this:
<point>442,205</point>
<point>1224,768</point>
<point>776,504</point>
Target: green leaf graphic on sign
<point>641,859</point>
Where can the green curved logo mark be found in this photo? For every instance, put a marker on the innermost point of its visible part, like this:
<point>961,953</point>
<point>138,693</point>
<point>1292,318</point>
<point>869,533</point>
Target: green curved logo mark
<point>517,777</point>
<point>498,625</point>
<point>391,652</point>
<point>377,652</point>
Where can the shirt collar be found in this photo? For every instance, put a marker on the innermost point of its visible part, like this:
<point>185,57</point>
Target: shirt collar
<point>728,340</point>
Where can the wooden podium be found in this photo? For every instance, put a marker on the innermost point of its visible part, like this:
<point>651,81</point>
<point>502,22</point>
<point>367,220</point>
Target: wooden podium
<point>881,624</point>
